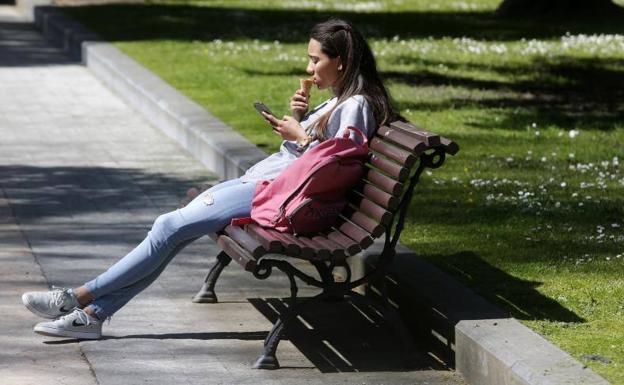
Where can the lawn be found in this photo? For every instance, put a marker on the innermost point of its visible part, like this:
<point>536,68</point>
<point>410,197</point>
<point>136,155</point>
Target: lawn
<point>529,214</point>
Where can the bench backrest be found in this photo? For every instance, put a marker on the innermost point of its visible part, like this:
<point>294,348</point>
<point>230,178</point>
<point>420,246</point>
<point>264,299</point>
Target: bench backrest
<point>399,152</point>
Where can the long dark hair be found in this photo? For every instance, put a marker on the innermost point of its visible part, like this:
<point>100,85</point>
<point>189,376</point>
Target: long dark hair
<point>359,75</point>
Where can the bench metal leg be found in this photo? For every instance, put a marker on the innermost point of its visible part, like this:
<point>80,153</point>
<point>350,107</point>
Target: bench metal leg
<point>206,294</point>
<point>267,359</point>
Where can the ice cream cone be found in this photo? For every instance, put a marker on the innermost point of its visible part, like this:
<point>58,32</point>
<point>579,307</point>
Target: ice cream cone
<point>306,85</point>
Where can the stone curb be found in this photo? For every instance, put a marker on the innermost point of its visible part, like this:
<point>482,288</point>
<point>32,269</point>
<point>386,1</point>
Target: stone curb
<point>489,347</point>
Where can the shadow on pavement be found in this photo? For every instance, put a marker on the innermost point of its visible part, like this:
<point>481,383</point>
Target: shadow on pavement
<point>62,191</point>
<point>349,336</point>
<point>22,46</point>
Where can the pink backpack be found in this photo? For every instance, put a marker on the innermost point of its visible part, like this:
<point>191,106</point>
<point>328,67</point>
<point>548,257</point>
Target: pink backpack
<point>309,195</point>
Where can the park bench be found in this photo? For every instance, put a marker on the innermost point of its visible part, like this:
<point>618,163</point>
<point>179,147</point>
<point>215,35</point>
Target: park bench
<point>399,153</point>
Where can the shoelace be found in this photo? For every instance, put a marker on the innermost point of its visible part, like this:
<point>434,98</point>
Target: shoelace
<point>57,295</point>
<point>82,316</point>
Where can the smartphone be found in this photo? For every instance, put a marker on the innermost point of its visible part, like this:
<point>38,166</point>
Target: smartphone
<point>261,107</point>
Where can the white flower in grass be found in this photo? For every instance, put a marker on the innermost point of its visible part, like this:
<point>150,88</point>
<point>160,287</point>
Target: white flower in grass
<point>573,133</point>
<point>615,225</point>
<point>615,161</point>
<point>563,184</point>
<point>537,133</point>
<point>571,155</point>
<point>544,159</point>
<point>558,204</point>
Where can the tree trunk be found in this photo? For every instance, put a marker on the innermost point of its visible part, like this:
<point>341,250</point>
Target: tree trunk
<point>537,8</point>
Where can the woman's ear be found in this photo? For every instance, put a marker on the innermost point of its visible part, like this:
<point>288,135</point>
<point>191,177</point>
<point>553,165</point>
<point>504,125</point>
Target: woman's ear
<point>339,63</point>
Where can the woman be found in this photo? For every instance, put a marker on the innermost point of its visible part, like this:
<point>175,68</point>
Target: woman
<point>341,60</point>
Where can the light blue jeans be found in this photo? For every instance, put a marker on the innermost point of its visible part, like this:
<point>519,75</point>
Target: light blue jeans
<point>170,233</point>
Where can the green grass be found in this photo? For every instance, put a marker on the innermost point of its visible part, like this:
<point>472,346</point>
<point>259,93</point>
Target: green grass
<point>529,213</point>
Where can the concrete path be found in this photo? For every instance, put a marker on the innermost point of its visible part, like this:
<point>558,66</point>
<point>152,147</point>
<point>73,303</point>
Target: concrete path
<point>82,177</point>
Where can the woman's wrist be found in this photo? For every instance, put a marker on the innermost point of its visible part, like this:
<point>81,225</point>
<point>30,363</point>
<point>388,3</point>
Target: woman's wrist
<point>303,141</point>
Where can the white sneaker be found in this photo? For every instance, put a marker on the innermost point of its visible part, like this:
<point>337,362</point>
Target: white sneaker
<point>76,324</point>
<point>50,304</point>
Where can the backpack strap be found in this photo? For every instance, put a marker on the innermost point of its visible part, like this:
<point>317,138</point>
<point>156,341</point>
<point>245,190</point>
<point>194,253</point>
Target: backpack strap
<point>346,135</point>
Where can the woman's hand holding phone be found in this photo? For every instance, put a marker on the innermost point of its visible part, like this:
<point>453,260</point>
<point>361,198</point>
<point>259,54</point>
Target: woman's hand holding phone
<point>287,127</point>
<point>299,105</point>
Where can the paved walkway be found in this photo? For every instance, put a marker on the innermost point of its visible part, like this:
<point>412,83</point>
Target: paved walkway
<point>81,179</point>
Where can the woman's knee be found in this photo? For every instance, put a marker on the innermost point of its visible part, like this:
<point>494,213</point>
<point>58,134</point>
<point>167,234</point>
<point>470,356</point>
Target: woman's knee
<point>167,226</point>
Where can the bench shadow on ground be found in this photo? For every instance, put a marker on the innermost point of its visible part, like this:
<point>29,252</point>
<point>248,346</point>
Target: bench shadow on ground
<point>433,302</point>
<point>345,336</point>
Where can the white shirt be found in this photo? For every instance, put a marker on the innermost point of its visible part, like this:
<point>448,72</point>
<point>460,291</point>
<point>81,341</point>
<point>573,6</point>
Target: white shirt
<point>354,112</point>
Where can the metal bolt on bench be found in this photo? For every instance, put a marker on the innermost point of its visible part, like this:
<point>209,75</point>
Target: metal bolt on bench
<point>399,153</point>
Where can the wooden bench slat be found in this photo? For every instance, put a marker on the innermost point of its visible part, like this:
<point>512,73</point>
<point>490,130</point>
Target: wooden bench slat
<point>370,208</point>
<point>360,219</point>
<point>291,246</point>
<point>356,233</point>
<point>245,240</point>
<point>336,250</point>
<point>305,252</point>
<point>319,251</point>
<point>270,242</point>
<point>391,151</point>
<point>236,252</point>
<point>449,146</point>
<point>379,196</point>
<point>389,167</point>
<point>385,182</point>
<point>351,246</point>
<point>430,139</point>
<point>414,144</point>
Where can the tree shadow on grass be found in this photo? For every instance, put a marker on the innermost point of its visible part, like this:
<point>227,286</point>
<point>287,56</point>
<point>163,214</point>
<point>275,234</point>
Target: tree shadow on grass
<point>566,92</point>
<point>200,23</point>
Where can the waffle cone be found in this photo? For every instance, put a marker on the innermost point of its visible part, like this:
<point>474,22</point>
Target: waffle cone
<point>306,85</point>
